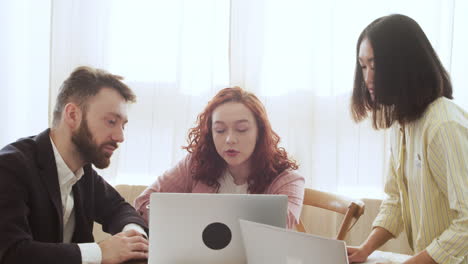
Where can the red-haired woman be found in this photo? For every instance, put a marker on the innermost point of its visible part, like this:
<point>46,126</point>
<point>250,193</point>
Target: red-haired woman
<point>233,149</point>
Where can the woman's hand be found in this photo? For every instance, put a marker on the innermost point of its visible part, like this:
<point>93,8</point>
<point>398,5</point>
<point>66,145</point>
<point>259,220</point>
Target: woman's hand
<point>357,254</point>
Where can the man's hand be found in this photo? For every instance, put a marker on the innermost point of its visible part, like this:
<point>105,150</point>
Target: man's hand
<point>124,246</point>
<point>356,254</point>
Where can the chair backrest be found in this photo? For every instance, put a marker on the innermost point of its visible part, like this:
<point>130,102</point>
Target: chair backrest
<point>350,208</point>
<point>130,192</point>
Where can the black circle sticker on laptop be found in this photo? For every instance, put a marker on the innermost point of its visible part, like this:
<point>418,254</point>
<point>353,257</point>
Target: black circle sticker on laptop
<point>216,236</point>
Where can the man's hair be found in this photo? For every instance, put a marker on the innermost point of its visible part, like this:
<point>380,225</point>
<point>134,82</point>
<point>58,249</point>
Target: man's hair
<point>85,82</point>
<point>408,74</point>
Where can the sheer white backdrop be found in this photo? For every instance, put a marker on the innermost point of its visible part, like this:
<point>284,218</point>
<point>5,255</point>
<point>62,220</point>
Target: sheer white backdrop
<point>296,55</point>
<point>24,68</point>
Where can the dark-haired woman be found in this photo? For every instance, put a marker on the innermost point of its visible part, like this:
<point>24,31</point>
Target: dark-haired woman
<point>233,149</point>
<point>401,83</point>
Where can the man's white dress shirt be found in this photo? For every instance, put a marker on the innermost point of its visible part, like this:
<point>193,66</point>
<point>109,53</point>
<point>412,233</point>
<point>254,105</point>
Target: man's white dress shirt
<point>90,252</point>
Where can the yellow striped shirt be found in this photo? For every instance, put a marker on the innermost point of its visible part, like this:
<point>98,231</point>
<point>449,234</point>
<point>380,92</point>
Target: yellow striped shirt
<point>427,183</point>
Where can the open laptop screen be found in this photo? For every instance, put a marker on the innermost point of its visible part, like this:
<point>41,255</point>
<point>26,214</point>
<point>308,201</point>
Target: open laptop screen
<point>204,228</point>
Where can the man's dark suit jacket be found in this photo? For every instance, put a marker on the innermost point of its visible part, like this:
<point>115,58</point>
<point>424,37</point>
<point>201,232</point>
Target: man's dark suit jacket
<point>31,227</point>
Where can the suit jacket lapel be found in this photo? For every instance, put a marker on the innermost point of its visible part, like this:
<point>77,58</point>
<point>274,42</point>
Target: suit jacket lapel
<point>48,174</point>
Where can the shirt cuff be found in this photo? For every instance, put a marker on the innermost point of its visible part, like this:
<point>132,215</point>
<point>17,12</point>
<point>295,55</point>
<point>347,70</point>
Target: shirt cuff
<point>439,255</point>
<point>90,253</point>
<point>135,227</point>
<point>391,224</point>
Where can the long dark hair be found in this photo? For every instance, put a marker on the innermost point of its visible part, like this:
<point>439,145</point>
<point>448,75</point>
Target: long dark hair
<point>408,73</point>
<point>269,159</point>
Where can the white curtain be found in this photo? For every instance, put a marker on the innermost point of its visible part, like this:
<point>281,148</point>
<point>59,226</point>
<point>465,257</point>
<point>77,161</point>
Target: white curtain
<point>459,53</point>
<point>175,56</point>
<point>296,55</point>
<point>299,56</point>
<point>24,68</point>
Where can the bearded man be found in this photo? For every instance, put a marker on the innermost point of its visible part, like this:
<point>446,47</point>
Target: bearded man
<point>50,195</point>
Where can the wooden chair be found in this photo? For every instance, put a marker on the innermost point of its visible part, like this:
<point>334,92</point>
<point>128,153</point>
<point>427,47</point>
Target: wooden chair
<point>350,208</point>
<point>130,192</point>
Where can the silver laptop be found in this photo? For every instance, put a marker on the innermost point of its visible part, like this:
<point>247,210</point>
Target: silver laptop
<point>204,228</point>
<point>273,245</point>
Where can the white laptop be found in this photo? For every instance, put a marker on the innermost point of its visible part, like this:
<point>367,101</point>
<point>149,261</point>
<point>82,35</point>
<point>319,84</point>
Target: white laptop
<point>273,245</point>
<point>204,228</point>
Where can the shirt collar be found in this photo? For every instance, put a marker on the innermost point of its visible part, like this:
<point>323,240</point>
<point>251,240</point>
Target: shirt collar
<point>65,174</point>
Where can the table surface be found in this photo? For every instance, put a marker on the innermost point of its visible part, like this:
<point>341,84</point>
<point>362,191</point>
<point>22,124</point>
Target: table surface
<point>376,257</point>
<point>385,257</point>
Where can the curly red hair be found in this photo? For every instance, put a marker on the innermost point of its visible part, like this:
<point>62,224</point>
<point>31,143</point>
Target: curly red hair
<point>269,159</point>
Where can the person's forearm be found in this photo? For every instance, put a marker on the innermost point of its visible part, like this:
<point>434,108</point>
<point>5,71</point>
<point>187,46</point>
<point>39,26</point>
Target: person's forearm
<point>376,239</point>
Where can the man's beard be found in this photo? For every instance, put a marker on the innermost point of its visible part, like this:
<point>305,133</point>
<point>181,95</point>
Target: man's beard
<point>90,151</point>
